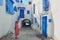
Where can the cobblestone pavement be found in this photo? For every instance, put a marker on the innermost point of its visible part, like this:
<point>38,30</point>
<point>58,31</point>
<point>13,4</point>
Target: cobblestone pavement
<point>25,34</point>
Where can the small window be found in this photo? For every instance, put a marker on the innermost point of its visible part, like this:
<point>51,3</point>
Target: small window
<point>28,12</point>
<point>50,20</point>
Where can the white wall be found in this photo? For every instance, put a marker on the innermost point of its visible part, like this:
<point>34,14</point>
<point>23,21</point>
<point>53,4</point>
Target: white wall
<point>38,11</point>
<point>7,22</point>
<point>55,8</point>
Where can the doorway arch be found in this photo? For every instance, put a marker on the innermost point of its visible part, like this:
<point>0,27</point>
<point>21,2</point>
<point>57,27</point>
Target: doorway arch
<point>26,23</point>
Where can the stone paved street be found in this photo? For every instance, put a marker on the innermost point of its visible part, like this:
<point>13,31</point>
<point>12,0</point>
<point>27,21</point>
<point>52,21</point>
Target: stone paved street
<point>25,34</point>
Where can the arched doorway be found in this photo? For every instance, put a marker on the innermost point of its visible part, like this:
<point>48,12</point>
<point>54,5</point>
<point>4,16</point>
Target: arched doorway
<point>26,23</point>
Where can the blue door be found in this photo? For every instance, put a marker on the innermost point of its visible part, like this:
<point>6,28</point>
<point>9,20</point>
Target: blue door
<point>21,15</point>
<point>44,26</point>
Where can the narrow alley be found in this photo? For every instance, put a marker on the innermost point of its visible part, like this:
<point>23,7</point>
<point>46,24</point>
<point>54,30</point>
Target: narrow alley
<point>25,34</point>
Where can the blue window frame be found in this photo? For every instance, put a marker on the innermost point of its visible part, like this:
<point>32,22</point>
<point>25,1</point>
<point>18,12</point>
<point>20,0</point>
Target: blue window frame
<point>28,11</point>
<point>45,5</point>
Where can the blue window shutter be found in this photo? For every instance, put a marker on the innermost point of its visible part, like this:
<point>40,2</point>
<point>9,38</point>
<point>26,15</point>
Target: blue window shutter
<point>45,5</point>
<point>9,7</point>
<point>50,20</point>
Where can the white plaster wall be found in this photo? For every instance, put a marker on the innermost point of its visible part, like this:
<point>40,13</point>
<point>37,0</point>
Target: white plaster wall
<point>55,8</point>
<point>5,20</point>
<point>28,16</point>
<point>38,11</point>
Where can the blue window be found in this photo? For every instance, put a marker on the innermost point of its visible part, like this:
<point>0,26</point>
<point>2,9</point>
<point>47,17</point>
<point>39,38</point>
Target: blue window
<point>28,12</point>
<point>45,5</point>
<point>50,20</point>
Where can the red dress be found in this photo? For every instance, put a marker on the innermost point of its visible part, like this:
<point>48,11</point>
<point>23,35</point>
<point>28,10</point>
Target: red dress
<point>16,29</point>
